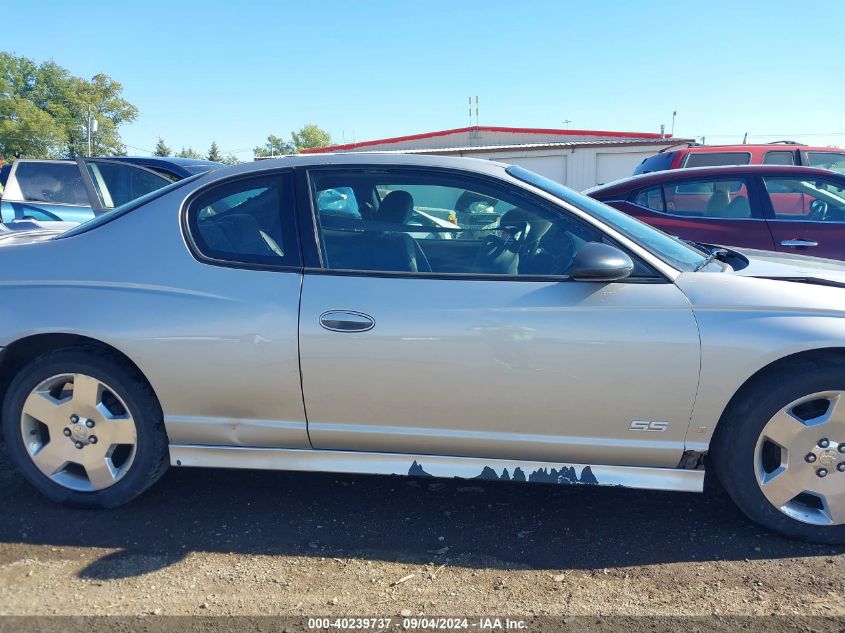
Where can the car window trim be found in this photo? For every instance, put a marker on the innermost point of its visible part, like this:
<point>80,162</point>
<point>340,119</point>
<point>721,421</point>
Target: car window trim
<point>309,212</point>
<point>287,176</point>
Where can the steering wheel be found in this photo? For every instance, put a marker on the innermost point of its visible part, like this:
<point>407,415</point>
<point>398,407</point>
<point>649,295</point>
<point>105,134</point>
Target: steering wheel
<point>818,209</point>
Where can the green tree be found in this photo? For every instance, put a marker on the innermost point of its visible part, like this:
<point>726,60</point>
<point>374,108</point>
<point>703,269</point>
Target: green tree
<point>189,152</point>
<point>161,148</point>
<point>45,112</point>
<point>214,153</point>
<point>230,159</point>
<point>275,146</point>
<point>309,137</point>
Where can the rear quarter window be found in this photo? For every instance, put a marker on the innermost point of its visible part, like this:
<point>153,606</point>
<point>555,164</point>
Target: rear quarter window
<point>658,162</point>
<point>716,159</point>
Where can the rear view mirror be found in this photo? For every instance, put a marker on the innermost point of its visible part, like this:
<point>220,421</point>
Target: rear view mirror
<point>596,261</point>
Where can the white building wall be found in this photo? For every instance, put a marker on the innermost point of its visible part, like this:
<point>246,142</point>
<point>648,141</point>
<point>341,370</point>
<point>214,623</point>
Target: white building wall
<point>580,167</point>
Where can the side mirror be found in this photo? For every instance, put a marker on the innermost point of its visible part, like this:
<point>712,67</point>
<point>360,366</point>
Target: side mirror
<point>595,261</point>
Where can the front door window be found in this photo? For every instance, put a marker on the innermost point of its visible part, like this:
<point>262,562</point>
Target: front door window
<point>427,223</point>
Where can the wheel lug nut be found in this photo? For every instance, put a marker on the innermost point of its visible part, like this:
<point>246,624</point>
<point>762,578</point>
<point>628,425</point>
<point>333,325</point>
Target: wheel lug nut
<point>822,472</point>
<point>66,432</point>
<point>810,458</point>
<point>89,424</point>
<point>841,467</point>
<point>92,439</point>
<point>78,444</point>
<point>824,442</point>
<point>74,419</point>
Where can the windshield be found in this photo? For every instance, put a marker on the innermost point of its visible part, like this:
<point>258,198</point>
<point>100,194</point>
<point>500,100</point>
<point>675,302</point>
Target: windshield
<point>671,250</point>
<point>125,208</point>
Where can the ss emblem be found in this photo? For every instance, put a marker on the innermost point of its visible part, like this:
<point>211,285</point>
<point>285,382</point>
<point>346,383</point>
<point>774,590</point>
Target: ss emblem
<point>648,425</point>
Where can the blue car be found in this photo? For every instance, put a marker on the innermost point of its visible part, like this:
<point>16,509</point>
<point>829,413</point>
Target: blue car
<point>78,190</point>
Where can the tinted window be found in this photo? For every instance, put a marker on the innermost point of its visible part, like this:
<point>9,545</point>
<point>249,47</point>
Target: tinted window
<point>669,249</point>
<point>118,183</point>
<point>108,216</point>
<point>816,199</point>
<point>651,199</point>
<point>492,230</point>
<point>51,182</point>
<point>248,221</point>
<point>779,158</point>
<point>658,162</point>
<point>827,160</point>
<point>708,198</point>
<point>714,159</point>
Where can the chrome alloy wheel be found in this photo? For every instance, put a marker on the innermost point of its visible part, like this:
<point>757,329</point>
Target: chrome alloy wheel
<point>800,459</point>
<point>78,432</point>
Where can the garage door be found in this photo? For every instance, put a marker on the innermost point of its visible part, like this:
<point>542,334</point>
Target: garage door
<point>553,167</point>
<point>610,167</point>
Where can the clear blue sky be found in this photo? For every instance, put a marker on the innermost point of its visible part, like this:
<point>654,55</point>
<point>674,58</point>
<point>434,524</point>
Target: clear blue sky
<point>236,71</point>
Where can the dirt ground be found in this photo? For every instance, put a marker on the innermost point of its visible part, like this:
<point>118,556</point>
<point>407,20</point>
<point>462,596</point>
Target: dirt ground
<point>248,543</point>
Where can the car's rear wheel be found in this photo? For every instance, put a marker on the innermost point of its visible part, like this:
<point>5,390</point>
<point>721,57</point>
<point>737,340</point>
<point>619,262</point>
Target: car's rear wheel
<point>84,428</point>
<point>780,452</point>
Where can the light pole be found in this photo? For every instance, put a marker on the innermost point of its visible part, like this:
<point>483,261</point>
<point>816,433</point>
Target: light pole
<point>92,127</point>
<point>672,131</point>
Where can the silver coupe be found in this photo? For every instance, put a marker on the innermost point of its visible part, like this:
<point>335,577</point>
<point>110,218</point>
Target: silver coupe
<point>243,318</point>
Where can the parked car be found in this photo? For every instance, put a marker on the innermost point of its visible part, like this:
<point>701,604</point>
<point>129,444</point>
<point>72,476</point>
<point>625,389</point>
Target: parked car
<point>568,343</point>
<point>76,191</point>
<point>789,209</point>
<point>780,153</point>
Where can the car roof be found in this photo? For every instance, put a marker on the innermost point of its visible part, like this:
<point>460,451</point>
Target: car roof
<point>670,175</point>
<point>352,159</point>
<point>164,160</point>
<point>783,146</point>
<point>183,166</point>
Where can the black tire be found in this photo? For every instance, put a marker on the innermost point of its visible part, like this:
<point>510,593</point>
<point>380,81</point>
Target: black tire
<point>151,453</point>
<point>733,447</point>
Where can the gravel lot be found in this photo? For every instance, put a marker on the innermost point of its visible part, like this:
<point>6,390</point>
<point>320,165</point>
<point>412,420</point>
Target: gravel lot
<point>248,543</point>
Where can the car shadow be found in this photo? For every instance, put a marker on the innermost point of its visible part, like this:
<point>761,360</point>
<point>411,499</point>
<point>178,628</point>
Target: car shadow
<point>469,523</point>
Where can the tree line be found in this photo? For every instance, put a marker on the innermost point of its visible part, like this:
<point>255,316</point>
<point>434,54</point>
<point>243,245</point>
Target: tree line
<point>307,137</point>
<point>46,112</point>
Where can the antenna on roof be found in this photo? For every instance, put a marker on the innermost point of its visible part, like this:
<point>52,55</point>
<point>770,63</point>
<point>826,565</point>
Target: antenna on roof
<point>469,101</point>
<point>476,110</point>
<point>745,139</point>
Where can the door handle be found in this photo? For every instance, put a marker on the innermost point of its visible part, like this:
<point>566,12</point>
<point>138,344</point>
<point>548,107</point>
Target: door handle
<point>347,321</point>
<point>798,243</point>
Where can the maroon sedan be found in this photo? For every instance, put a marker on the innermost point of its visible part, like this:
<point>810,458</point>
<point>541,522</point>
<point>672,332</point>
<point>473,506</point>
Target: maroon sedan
<point>776,208</point>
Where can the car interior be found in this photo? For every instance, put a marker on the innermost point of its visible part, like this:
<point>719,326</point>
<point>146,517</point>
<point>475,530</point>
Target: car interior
<point>710,199</point>
<point>386,233</point>
<point>245,223</point>
<point>815,200</point>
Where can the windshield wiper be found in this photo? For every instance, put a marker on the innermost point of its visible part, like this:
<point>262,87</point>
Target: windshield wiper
<point>716,253</point>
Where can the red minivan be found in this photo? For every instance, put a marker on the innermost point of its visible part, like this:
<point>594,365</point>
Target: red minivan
<point>779,153</point>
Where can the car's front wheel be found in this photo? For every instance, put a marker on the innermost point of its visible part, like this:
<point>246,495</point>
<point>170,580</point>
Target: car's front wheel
<point>84,428</point>
<point>780,452</point>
